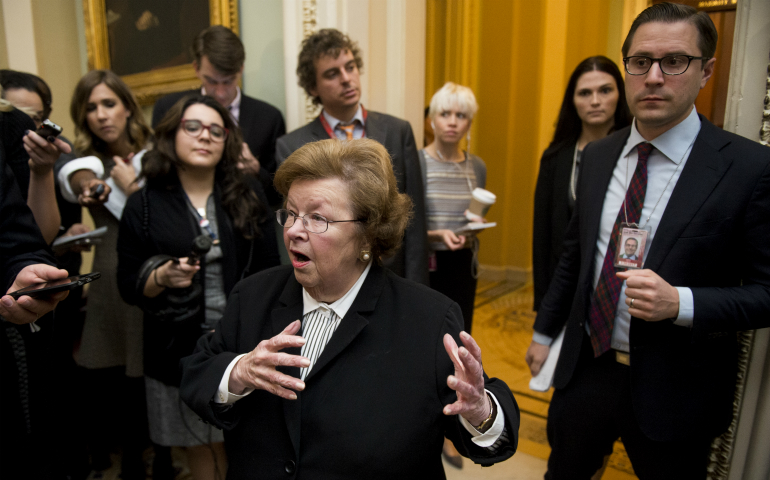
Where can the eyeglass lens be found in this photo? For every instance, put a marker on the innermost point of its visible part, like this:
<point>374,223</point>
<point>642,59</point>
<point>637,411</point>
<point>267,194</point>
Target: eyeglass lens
<point>195,127</point>
<point>671,64</point>
<point>313,222</point>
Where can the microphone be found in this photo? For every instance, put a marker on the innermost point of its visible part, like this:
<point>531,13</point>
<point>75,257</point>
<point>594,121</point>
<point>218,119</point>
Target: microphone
<point>201,246</point>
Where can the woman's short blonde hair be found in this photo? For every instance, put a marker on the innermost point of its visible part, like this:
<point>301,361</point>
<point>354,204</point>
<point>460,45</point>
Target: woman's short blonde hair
<point>365,167</point>
<point>453,96</point>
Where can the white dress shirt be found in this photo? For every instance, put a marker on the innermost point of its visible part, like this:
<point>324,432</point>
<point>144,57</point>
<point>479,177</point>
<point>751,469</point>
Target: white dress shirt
<point>664,166</point>
<point>319,337</point>
<point>235,105</point>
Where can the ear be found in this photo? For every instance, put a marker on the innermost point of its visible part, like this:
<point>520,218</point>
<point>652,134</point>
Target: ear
<point>708,71</point>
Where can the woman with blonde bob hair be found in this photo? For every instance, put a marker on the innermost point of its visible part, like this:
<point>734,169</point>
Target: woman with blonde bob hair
<point>451,174</point>
<point>363,365</point>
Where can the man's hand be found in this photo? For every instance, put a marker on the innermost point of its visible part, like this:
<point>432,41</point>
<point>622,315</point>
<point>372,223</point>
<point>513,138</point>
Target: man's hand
<point>649,297</point>
<point>28,309</point>
<point>248,163</point>
<point>123,174</point>
<point>257,368</point>
<point>536,356</point>
<point>468,381</point>
<point>42,152</point>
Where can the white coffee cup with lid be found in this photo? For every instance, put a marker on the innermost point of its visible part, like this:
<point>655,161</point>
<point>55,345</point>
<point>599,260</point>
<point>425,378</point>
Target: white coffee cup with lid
<point>481,201</point>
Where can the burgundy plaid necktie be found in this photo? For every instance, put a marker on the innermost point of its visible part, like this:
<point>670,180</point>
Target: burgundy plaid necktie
<point>601,315</point>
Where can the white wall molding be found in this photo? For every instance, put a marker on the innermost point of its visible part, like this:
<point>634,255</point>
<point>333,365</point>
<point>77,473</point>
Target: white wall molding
<point>20,35</point>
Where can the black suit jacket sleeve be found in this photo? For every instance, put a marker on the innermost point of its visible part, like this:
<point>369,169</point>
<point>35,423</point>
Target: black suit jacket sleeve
<point>744,307</point>
<point>21,243</point>
<point>541,231</point>
<point>415,237</point>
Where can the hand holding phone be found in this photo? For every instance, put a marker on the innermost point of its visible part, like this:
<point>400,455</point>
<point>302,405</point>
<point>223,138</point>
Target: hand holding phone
<point>46,289</point>
<point>44,148</point>
<point>93,191</point>
<point>27,309</point>
<point>48,130</point>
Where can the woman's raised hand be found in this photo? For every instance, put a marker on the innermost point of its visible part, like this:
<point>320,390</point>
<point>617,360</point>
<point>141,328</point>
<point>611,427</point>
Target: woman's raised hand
<point>123,174</point>
<point>257,369</point>
<point>468,380</point>
<point>42,152</point>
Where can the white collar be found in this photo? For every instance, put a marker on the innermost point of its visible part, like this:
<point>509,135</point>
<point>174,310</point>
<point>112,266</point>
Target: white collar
<point>334,121</point>
<point>341,306</point>
<point>235,104</point>
<point>673,143</point>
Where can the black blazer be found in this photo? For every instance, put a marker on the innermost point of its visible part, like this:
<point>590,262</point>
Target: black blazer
<point>712,238</point>
<point>171,229</point>
<point>411,260</point>
<point>261,124</point>
<point>372,406</point>
<point>552,214</point>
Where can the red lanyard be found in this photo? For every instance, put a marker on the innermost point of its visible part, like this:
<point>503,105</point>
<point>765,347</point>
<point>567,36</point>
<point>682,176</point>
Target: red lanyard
<point>328,127</point>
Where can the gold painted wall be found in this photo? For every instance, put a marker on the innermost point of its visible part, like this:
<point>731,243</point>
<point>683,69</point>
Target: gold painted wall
<point>517,56</point>
<point>58,55</point>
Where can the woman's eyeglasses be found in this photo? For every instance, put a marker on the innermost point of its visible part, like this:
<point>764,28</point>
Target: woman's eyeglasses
<point>194,128</point>
<point>313,222</point>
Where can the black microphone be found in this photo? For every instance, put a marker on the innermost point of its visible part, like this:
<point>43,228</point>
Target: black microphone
<point>201,246</point>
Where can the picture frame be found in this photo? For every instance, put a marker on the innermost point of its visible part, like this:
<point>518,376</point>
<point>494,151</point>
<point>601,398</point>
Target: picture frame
<point>172,70</point>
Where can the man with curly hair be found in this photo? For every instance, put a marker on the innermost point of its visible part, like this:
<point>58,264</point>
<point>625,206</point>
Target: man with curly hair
<point>328,69</point>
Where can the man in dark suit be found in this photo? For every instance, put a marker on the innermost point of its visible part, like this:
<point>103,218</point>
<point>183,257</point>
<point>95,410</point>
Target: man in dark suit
<point>328,70</point>
<point>219,57</point>
<point>650,355</point>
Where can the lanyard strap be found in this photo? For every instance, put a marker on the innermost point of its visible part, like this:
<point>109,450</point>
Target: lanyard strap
<point>203,222</point>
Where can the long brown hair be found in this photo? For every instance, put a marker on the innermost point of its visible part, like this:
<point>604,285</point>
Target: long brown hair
<point>86,142</point>
<point>159,165</point>
<point>569,126</point>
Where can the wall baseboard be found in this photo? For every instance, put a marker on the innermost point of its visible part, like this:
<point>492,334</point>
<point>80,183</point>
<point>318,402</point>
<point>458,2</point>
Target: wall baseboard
<point>494,273</point>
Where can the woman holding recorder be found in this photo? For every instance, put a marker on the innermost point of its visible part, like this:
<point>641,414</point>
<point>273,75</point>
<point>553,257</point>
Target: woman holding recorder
<point>195,197</point>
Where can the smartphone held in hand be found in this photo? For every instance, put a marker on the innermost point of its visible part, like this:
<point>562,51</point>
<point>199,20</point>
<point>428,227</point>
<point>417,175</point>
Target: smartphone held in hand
<point>45,289</point>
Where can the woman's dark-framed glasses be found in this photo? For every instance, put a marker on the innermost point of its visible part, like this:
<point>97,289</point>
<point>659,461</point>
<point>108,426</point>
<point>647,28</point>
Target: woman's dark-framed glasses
<point>669,65</point>
<point>194,128</point>
<point>313,222</point>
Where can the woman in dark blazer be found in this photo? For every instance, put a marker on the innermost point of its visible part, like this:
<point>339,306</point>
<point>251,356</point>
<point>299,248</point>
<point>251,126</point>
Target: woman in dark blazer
<point>376,378</point>
<point>194,193</point>
<point>594,105</point>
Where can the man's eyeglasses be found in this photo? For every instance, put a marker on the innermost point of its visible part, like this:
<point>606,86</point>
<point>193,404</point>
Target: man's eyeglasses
<point>313,222</point>
<point>670,64</point>
<point>194,128</point>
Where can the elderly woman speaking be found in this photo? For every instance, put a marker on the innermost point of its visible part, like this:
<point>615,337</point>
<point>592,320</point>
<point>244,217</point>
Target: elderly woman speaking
<point>334,367</point>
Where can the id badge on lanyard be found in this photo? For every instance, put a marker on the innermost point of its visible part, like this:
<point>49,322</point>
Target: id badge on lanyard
<point>629,252</point>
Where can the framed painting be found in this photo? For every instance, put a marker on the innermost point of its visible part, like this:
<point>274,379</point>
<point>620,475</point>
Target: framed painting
<point>148,42</point>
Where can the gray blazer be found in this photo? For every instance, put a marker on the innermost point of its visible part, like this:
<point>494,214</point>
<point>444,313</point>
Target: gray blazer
<point>411,261</point>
